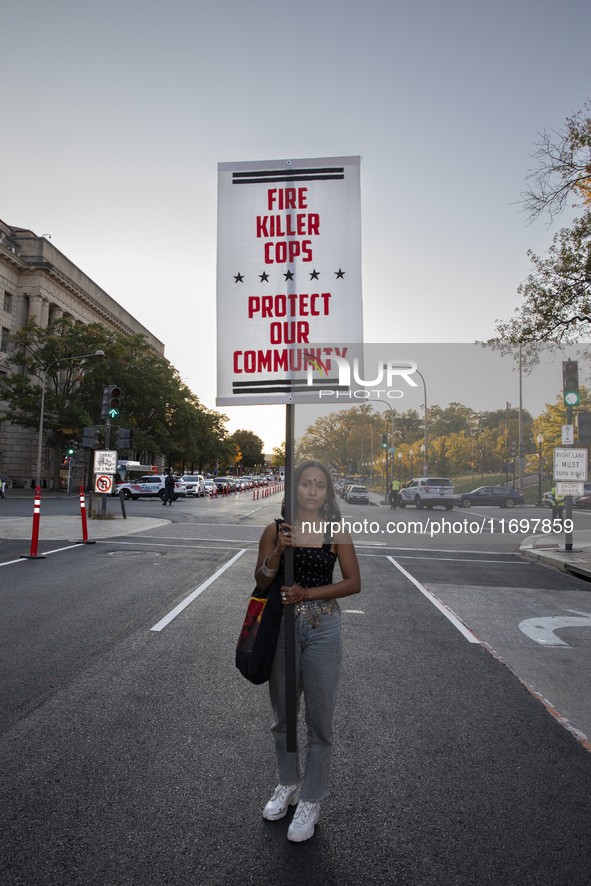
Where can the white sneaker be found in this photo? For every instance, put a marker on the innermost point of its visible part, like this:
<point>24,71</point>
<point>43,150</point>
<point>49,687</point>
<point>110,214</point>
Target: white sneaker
<point>302,825</point>
<point>284,795</point>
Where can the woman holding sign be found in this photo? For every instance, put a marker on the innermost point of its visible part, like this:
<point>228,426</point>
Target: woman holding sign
<point>317,639</point>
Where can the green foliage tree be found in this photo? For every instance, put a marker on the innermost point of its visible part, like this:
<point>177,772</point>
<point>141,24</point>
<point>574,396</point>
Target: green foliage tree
<point>165,416</point>
<point>279,455</point>
<point>250,447</point>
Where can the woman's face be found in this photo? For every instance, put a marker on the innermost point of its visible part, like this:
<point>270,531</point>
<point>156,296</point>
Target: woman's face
<point>312,490</point>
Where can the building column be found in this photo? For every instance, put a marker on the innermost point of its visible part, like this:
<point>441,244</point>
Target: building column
<point>36,308</point>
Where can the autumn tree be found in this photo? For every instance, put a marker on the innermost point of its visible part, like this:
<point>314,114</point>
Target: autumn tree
<point>250,446</point>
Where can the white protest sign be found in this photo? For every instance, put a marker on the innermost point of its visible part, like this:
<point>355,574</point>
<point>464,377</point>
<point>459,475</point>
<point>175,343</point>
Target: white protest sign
<point>288,272</point>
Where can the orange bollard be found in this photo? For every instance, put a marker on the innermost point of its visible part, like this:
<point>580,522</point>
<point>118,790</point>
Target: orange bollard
<point>83,515</point>
<point>35,537</point>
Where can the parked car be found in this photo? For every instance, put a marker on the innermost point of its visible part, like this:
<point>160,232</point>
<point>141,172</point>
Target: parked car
<point>195,484</point>
<point>358,493</point>
<point>427,492</point>
<point>152,485</point>
<point>498,496</point>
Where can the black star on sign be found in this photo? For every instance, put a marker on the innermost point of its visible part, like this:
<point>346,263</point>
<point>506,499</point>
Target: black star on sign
<point>340,273</point>
<point>314,275</point>
<point>288,275</point>
<point>238,278</point>
<point>264,277</point>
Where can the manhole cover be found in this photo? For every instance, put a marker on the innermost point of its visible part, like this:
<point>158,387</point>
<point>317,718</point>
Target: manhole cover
<point>134,553</point>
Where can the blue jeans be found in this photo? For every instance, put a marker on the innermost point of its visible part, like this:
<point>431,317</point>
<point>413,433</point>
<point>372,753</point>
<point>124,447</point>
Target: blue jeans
<point>318,664</point>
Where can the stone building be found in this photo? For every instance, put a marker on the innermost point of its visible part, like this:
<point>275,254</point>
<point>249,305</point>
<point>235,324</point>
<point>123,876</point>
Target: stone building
<point>37,280</point>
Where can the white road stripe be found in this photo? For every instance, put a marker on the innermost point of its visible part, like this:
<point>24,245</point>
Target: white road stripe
<point>173,613</point>
<point>45,553</point>
<point>438,604</point>
<point>158,544</point>
<point>453,560</point>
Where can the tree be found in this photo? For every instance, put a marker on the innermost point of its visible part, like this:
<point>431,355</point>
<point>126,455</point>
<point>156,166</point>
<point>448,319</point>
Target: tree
<point>165,416</point>
<point>250,446</point>
<point>564,167</point>
<point>279,455</point>
<point>557,295</point>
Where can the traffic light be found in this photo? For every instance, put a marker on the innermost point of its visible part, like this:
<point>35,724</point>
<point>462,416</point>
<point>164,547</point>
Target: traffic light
<point>521,450</point>
<point>124,438</point>
<point>570,382</point>
<point>583,420</point>
<point>72,447</point>
<point>115,402</point>
<point>512,449</point>
<point>90,438</point>
<point>384,441</point>
<point>111,401</point>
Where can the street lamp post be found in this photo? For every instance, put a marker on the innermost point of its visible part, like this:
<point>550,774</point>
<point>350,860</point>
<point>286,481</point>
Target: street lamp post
<point>423,459</point>
<point>399,466</point>
<point>411,452</point>
<point>539,502</point>
<point>41,417</point>
<point>426,455</point>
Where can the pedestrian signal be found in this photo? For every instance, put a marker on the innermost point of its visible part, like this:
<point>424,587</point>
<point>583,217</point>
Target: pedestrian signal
<point>583,421</point>
<point>90,438</point>
<point>124,438</point>
<point>570,382</point>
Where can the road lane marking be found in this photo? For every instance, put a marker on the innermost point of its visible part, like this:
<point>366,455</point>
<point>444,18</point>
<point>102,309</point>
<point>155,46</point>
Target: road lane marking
<point>157,544</point>
<point>541,630</point>
<point>178,609</point>
<point>451,559</point>
<point>470,637</point>
<point>45,553</point>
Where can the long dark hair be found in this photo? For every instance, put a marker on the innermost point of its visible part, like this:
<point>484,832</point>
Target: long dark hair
<point>331,511</point>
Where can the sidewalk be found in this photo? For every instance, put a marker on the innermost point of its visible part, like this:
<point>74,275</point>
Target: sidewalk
<point>57,527</point>
<point>550,550</point>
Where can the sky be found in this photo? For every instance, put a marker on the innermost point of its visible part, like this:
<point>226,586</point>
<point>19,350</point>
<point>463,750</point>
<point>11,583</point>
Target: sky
<point>115,116</point>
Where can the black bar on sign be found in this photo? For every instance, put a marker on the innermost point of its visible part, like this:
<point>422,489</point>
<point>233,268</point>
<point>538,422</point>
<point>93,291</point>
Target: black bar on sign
<point>256,173</point>
<point>294,382</point>
<point>283,178</point>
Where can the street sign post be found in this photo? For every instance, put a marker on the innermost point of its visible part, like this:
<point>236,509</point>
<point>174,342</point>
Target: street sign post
<point>105,461</point>
<point>103,483</point>
<point>568,435</point>
<point>570,464</point>
<point>569,488</point>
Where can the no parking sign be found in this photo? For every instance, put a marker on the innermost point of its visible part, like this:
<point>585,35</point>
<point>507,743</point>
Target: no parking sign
<point>103,483</point>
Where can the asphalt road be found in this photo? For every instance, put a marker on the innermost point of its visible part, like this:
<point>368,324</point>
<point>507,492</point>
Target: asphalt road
<point>131,755</point>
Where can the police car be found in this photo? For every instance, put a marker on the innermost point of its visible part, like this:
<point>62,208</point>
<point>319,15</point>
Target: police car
<point>151,485</point>
<point>426,492</point>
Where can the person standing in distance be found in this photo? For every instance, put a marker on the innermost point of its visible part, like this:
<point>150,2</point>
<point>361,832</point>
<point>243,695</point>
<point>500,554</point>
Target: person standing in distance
<point>318,644</point>
<point>168,488</point>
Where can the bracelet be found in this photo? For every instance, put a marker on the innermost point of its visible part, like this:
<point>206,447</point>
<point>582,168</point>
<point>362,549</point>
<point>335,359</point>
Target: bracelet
<point>268,572</point>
